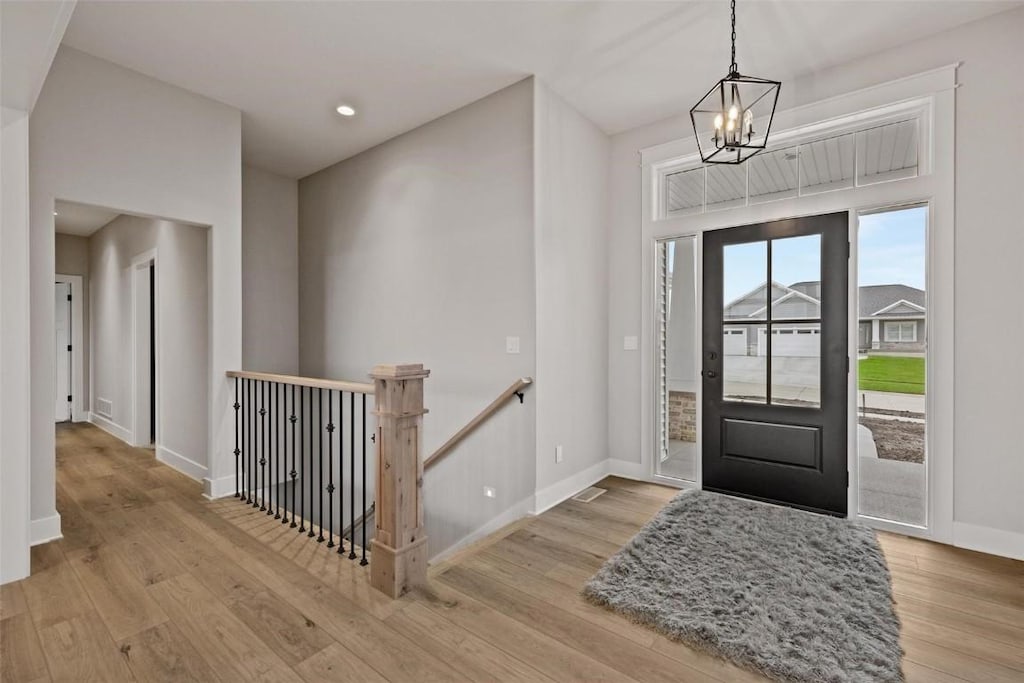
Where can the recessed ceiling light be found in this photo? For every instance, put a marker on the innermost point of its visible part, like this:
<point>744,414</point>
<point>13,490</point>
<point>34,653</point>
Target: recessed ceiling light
<point>55,213</point>
<point>346,110</point>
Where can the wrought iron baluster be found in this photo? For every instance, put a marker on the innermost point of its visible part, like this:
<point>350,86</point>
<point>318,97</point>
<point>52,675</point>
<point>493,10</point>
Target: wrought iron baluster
<point>279,478</point>
<point>252,437</point>
<point>320,466</point>
<point>237,405</point>
<point>262,446</point>
<point>351,477</point>
<point>290,476</point>
<point>330,472</point>
<point>271,446</point>
<point>245,437</point>
<point>310,473</point>
<point>341,474</point>
<point>363,562</point>
<point>302,460</point>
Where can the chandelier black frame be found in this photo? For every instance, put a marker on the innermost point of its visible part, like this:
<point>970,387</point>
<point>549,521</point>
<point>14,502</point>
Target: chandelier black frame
<point>723,114</point>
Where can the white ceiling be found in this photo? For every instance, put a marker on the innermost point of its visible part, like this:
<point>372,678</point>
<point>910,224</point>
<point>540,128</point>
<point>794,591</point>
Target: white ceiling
<point>287,65</point>
<point>80,219</point>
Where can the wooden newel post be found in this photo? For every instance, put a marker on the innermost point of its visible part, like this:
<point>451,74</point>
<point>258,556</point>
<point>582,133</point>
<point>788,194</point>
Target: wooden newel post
<point>399,547</point>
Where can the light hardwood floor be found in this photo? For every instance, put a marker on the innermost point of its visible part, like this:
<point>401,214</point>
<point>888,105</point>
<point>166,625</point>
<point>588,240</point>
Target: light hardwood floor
<point>153,583</point>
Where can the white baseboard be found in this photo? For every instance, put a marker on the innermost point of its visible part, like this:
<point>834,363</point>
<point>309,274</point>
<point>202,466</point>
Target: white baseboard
<point>186,466</point>
<point>222,487</point>
<point>45,530</point>
<point>628,470</point>
<point>225,486</point>
<point>519,510</point>
<point>544,500</point>
<point>988,540</point>
<point>111,427</point>
<point>568,487</point>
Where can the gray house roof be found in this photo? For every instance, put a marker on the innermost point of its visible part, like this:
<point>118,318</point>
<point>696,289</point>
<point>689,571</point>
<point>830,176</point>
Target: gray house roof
<point>873,298</point>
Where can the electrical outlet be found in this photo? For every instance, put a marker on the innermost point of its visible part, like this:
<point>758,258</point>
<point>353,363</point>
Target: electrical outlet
<point>558,454</point>
<point>490,492</point>
<point>511,344</point>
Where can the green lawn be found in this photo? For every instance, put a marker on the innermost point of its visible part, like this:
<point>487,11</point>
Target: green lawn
<point>892,373</point>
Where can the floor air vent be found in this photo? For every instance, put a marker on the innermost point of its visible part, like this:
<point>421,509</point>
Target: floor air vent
<point>587,495</point>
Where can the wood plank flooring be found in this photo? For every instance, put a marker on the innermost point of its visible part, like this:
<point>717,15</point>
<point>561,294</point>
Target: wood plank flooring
<point>153,583</point>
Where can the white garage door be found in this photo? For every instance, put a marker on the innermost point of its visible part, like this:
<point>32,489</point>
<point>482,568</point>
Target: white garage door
<point>791,342</point>
<point>735,341</point>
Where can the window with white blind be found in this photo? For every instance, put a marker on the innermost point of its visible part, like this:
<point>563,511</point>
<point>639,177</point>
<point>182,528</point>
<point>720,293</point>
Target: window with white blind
<point>901,331</point>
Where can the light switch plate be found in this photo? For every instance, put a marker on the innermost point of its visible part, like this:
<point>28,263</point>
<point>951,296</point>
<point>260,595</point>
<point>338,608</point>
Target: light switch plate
<point>630,343</point>
<point>511,344</point>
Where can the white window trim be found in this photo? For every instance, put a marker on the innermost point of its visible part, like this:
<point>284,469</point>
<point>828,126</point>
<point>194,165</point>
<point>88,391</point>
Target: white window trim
<point>934,187</point>
<point>889,325</point>
<point>901,302</point>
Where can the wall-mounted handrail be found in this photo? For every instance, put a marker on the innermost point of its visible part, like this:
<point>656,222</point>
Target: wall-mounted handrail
<point>514,390</point>
<point>316,383</point>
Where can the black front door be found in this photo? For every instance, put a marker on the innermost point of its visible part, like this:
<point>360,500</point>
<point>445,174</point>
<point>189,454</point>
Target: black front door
<point>775,362</point>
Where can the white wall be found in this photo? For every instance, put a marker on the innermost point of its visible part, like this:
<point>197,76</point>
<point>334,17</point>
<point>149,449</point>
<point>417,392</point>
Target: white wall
<point>182,331</point>
<point>14,348</point>
<point>71,257</point>
<point>29,36</point>
<point>270,272</point>
<point>110,137</point>
<point>421,250</point>
<point>989,487</point>
<point>571,250</point>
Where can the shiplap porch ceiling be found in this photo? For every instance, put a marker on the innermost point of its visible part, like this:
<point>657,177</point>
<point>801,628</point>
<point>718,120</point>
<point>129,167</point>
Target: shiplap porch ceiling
<point>883,150</point>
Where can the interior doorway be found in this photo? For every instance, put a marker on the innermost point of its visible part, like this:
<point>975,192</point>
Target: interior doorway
<point>145,423</point>
<point>775,362</point>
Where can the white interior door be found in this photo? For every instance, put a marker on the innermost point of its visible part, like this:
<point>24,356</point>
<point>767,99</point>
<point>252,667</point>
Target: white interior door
<point>62,346</point>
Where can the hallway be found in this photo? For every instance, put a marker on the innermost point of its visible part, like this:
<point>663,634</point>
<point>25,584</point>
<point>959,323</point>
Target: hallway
<point>152,582</point>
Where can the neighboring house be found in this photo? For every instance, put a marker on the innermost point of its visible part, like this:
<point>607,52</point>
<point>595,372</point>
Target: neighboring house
<point>891,318</point>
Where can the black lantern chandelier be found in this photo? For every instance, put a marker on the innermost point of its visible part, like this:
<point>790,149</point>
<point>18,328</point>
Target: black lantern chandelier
<point>724,119</point>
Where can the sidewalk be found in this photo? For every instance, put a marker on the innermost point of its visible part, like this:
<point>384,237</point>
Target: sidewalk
<point>913,403</point>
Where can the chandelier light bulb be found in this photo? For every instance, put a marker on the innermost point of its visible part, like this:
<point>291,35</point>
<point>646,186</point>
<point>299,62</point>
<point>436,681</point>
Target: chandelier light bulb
<point>718,122</point>
<point>733,113</point>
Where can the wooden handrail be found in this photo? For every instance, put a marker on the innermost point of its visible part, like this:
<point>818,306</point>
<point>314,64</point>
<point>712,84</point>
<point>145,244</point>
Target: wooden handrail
<point>514,389</point>
<point>351,528</point>
<point>336,384</point>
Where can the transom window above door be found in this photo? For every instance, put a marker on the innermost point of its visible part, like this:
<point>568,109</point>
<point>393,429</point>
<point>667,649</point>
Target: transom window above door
<point>842,155</point>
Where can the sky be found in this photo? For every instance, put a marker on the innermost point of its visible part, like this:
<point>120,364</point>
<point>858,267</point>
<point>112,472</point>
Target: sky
<point>891,250</point>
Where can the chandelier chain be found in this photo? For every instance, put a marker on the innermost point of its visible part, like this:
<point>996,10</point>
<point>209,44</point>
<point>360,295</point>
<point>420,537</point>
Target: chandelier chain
<point>732,67</point>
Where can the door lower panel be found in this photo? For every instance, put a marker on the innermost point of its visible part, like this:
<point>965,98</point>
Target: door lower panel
<point>791,445</point>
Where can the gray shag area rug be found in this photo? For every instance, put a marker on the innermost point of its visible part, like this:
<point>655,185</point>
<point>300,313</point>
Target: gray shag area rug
<point>793,595</point>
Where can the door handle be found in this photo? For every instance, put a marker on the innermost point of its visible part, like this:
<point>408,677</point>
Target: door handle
<point>710,374</point>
